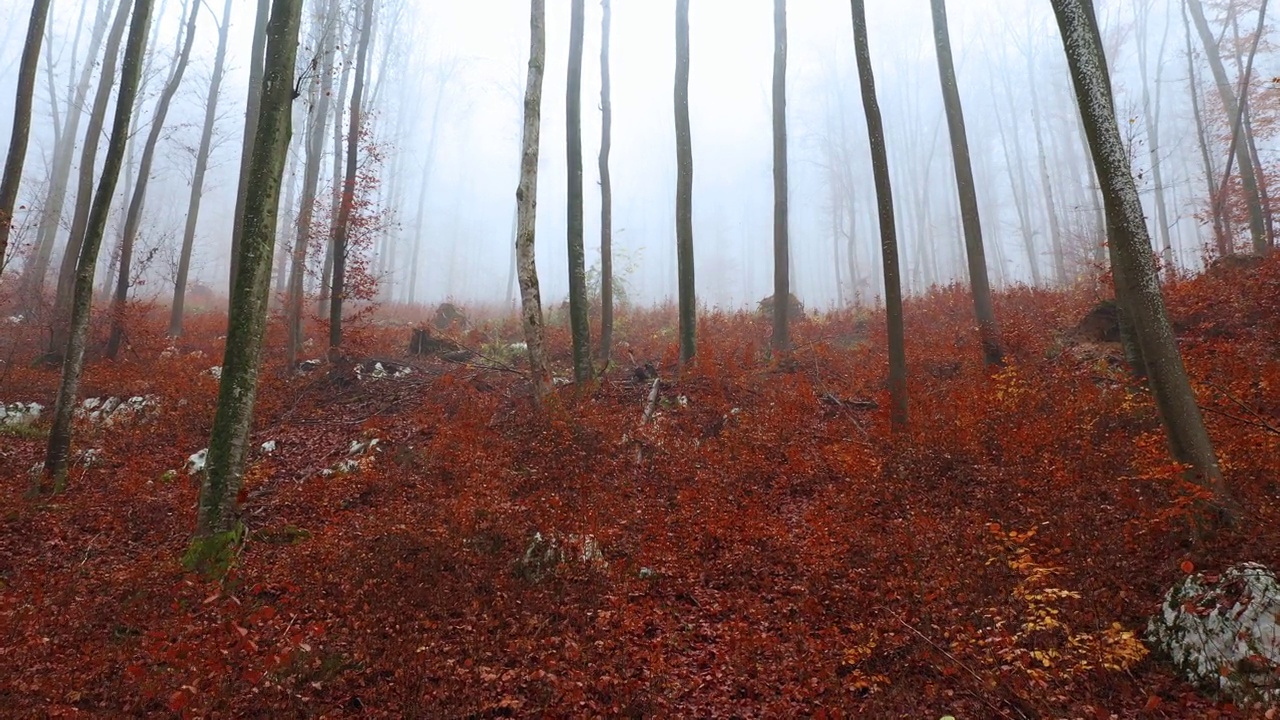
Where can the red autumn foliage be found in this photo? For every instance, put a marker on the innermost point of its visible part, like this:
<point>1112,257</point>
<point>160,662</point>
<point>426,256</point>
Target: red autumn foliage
<point>798,561</point>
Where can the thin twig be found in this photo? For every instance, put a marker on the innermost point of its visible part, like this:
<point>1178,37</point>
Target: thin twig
<point>952,658</point>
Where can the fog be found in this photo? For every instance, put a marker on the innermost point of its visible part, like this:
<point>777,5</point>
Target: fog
<point>447,83</point>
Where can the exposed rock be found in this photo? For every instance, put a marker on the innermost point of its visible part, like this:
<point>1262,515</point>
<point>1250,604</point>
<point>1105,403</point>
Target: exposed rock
<point>1223,632</point>
<point>424,343</point>
<point>114,410</point>
<point>1100,325</point>
<point>448,315</point>
<point>545,554</point>
<point>20,413</point>
<point>795,308</point>
<point>196,462</point>
<point>359,454</point>
<point>381,369</point>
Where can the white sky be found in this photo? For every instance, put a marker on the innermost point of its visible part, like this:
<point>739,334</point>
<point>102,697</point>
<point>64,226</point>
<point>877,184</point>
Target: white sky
<point>466,230</point>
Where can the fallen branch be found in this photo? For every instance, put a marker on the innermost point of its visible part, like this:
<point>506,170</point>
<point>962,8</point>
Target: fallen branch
<point>653,402</point>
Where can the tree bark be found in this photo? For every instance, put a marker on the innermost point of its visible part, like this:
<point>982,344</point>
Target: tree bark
<point>59,448</point>
<point>197,177</point>
<point>317,124</point>
<point>980,284</point>
<point>133,217</point>
<point>1248,174</point>
<point>1050,203</point>
<point>21,122</point>
<point>35,271</point>
<point>527,206</point>
<point>251,116</point>
<point>1137,280</point>
<point>342,225</point>
<point>1221,227</point>
<point>339,109</point>
<point>686,294</point>
<point>606,191</point>
<point>84,192</point>
<point>888,229</point>
<point>781,339</point>
<point>579,313</point>
<point>1151,118</point>
<point>218,529</point>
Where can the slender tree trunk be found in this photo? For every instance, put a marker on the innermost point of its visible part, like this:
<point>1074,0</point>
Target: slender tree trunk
<point>84,192</point>
<point>781,340</point>
<point>888,230</point>
<point>983,307</point>
<point>606,192</point>
<point>21,123</point>
<point>133,217</point>
<point>527,206</point>
<point>218,528</point>
<point>59,449</point>
<point>1241,135</point>
<point>511,271</point>
<point>1151,118</point>
<point>1050,203</point>
<point>1018,186</point>
<point>1248,175</point>
<point>34,272</point>
<point>685,293</point>
<point>1138,281</point>
<point>1221,226</point>
<point>197,177</point>
<point>284,243</point>
<point>251,115</point>
<point>579,313</point>
<point>341,231</point>
<point>317,124</point>
<point>326,269</point>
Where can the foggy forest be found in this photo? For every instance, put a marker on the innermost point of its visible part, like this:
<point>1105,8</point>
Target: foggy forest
<point>639,358</point>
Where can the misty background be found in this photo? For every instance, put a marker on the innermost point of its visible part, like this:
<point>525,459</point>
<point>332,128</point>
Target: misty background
<point>446,88</point>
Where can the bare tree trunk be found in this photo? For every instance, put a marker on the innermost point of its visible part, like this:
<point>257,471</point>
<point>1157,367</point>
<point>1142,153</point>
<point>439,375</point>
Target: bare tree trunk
<point>579,313</point>
<point>34,272</point>
<point>84,193</point>
<point>1248,174</point>
<point>1175,400</point>
<point>341,230</point>
<point>781,340</point>
<point>606,192</point>
<point>284,242</point>
<point>59,449</point>
<point>511,271</point>
<point>1018,186</point>
<point>888,230</point>
<point>133,216</point>
<point>218,528</point>
<point>326,270</point>
<point>686,292</point>
<point>250,131</point>
<point>1151,118</point>
<point>21,123</point>
<point>317,124</point>
<point>526,202</point>
<point>984,309</point>
<point>1221,226</point>
<point>1050,204</point>
<point>197,177</point>
<point>1242,126</point>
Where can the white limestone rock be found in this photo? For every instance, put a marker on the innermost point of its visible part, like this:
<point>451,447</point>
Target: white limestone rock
<point>1223,632</point>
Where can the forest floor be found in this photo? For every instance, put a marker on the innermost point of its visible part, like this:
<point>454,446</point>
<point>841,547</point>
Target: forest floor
<point>768,548</point>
